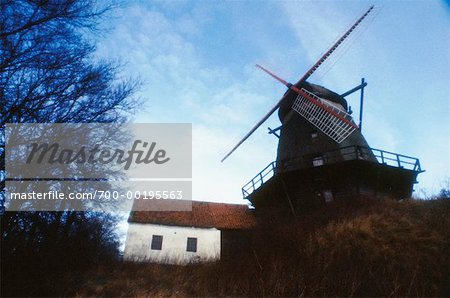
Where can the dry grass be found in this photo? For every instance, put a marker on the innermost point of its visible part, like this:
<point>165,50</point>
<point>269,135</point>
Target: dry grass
<point>360,248</point>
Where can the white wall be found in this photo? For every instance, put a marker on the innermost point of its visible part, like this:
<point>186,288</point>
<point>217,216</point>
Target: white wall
<point>139,239</point>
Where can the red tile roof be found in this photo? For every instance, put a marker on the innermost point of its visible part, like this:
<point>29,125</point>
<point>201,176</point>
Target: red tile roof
<point>203,215</point>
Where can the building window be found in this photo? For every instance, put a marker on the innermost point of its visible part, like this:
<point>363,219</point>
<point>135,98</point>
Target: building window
<point>157,242</point>
<point>318,161</point>
<point>191,244</point>
<point>314,135</point>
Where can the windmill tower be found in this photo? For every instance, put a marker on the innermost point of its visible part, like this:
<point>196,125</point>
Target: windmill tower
<point>322,154</point>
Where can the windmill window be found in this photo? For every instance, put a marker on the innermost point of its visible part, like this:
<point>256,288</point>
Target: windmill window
<point>157,242</point>
<point>191,244</point>
<point>327,195</point>
<point>318,161</point>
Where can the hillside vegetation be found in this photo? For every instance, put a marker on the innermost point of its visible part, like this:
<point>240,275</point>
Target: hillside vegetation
<point>357,248</point>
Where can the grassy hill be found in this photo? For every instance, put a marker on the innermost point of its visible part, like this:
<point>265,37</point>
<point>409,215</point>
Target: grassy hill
<point>358,248</point>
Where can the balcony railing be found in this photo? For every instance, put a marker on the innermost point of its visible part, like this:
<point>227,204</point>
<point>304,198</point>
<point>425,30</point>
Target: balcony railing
<point>397,160</point>
<point>335,156</point>
<point>259,179</point>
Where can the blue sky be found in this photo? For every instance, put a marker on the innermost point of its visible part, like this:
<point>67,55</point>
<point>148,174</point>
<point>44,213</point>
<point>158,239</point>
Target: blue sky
<point>197,59</point>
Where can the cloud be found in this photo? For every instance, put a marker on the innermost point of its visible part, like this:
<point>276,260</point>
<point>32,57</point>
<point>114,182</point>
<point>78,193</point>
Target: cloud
<point>181,87</point>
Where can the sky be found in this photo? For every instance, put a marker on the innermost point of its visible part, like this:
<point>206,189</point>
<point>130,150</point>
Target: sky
<point>196,61</point>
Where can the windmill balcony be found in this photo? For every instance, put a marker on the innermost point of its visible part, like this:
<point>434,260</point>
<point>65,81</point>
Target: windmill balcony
<point>345,154</point>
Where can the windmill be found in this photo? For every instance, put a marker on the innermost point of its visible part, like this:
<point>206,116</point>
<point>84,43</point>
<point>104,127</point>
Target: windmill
<point>318,141</point>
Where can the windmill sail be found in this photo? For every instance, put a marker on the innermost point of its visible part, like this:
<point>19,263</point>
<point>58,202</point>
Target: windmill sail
<point>323,114</point>
<point>303,79</point>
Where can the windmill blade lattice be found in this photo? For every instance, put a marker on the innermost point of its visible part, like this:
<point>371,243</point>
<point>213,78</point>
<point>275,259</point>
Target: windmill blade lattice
<point>328,118</point>
<point>325,115</point>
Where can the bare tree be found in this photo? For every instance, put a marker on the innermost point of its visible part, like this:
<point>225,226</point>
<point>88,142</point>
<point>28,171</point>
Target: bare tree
<point>48,74</point>
<point>47,69</point>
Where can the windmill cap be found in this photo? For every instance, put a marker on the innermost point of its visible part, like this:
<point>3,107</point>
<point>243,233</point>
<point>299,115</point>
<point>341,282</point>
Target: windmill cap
<point>318,90</point>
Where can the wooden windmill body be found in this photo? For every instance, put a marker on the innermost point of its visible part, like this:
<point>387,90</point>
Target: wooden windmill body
<point>322,155</point>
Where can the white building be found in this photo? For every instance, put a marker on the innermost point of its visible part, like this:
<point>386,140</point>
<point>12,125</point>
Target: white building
<point>206,233</point>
